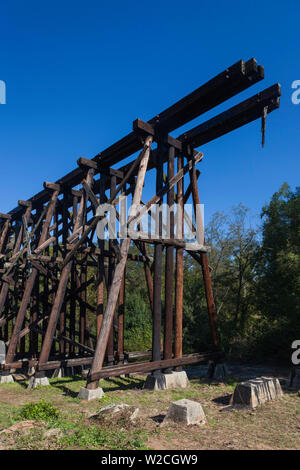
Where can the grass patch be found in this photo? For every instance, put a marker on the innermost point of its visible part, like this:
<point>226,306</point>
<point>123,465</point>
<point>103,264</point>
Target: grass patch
<point>95,437</point>
<point>40,411</point>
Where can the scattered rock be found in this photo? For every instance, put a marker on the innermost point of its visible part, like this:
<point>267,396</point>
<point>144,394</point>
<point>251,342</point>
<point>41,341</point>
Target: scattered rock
<point>121,410</point>
<point>256,392</point>
<point>186,412</point>
<point>56,432</point>
<point>22,426</point>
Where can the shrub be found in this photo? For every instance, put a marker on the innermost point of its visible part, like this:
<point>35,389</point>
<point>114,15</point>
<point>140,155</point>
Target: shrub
<point>40,411</point>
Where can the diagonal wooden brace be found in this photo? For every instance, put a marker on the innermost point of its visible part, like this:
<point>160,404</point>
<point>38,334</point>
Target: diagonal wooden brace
<point>119,270</point>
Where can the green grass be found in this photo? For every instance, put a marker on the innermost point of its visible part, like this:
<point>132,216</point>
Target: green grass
<point>40,411</point>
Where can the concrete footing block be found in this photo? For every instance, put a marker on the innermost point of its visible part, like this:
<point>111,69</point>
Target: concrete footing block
<point>63,372</point>
<point>167,381</point>
<point>294,379</point>
<point>217,371</point>
<point>38,381</point>
<point>87,394</point>
<point>6,379</point>
<point>256,392</point>
<point>186,412</point>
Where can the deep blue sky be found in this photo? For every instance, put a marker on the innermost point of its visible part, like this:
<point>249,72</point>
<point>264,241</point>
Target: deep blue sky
<point>78,74</point>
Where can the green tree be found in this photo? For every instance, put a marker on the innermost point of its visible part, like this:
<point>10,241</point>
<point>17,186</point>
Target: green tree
<point>278,286</point>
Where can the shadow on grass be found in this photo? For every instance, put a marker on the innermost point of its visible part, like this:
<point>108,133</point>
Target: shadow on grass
<point>123,384</point>
<point>110,385</point>
<point>158,418</point>
<point>66,391</point>
<point>222,401</point>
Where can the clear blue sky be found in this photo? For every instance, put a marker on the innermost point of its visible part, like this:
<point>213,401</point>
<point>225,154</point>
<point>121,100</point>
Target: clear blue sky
<point>78,74</point>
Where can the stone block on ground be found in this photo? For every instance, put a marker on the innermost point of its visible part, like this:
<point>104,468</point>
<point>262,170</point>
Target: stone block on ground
<point>118,410</point>
<point>62,372</point>
<point>257,391</point>
<point>87,394</point>
<point>167,381</point>
<point>6,379</point>
<point>38,382</point>
<point>217,372</point>
<point>294,379</point>
<point>186,412</point>
<point>21,426</point>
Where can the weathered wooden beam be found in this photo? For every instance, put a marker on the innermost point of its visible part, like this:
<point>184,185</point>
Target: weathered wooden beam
<point>52,186</point>
<point>63,281</point>
<point>179,266</point>
<point>231,81</point>
<point>233,118</point>
<point>5,216</point>
<point>205,270</point>
<point>120,268</point>
<point>18,241</point>
<point>157,273</point>
<point>143,367</point>
<point>169,264</point>
<point>171,183</point>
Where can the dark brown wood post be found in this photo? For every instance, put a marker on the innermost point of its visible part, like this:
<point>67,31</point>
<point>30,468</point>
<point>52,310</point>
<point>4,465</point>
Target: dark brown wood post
<point>179,265</point>
<point>111,268</point>
<point>121,311</point>
<point>73,286</point>
<point>205,268</point>
<point>157,281</point>
<point>82,315</point>
<point>100,288</point>
<point>169,268</point>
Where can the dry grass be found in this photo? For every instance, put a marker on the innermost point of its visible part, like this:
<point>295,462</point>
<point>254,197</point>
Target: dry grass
<point>275,425</point>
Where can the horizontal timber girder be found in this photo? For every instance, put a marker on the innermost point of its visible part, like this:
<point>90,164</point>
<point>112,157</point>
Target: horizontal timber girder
<point>228,83</point>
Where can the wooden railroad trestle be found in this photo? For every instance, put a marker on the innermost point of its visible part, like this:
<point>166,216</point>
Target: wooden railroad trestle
<point>48,242</point>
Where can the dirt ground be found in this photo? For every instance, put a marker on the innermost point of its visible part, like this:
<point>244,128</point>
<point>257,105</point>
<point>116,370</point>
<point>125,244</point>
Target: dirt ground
<point>275,425</point>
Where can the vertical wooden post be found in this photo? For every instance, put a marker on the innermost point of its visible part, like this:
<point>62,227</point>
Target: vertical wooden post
<point>168,337</point>
<point>121,311</point>
<point>100,288</point>
<point>111,268</point>
<point>156,333</point>
<point>179,265</point>
<point>205,268</point>
<point>148,275</point>
<point>83,279</point>
<point>73,287</point>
